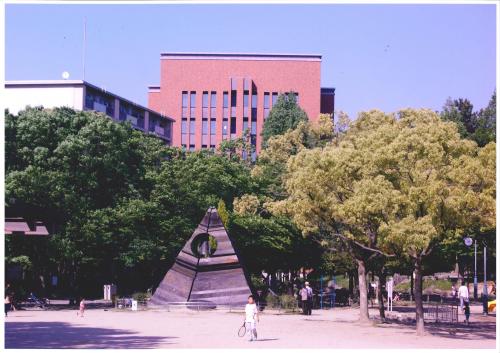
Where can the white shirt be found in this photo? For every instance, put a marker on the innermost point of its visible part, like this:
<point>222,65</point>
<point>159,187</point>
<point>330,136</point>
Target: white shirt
<point>463,292</point>
<point>250,312</point>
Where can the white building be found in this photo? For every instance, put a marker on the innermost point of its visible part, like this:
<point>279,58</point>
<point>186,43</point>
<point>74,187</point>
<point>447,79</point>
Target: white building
<point>81,95</point>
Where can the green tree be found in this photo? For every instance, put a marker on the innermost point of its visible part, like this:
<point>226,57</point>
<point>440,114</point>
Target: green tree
<point>271,164</point>
<point>222,211</point>
<point>286,114</point>
<point>393,185</point>
<point>477,126</point>
<point>119,203</point>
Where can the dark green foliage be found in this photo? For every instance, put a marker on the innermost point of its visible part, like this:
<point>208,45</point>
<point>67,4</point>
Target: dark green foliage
<point>478,126</point>
<point>272,244</point>
<point>119,204</point>
<point>286,114</point>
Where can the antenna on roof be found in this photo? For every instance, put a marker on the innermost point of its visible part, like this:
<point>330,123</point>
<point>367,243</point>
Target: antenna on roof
<point>84,44</point>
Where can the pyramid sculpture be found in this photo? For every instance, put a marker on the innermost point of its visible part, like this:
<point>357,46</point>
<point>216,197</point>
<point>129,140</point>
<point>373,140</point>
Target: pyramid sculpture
<point>218,279</point>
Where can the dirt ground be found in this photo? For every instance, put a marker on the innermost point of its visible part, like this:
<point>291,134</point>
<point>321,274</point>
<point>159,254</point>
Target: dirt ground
<point>335,328</point>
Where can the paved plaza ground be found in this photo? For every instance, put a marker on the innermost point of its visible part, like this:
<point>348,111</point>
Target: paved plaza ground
<point>218,329</point>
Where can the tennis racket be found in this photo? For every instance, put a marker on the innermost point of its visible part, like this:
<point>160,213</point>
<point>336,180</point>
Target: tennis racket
<point>243,330</point>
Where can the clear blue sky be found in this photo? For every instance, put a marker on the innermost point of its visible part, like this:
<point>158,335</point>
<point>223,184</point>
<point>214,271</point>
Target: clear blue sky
<point>377,56</point>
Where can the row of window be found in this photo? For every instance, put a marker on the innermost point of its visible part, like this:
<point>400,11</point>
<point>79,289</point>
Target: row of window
<point>127,112</point>
<point>228,124</point>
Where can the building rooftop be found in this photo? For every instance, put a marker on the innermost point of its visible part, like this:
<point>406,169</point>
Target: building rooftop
<point>240,56</point>
<point>73,83</point>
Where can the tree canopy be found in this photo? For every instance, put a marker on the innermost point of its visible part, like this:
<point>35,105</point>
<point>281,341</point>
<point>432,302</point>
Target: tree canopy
<point>397,184</point>
<point>286,114</point>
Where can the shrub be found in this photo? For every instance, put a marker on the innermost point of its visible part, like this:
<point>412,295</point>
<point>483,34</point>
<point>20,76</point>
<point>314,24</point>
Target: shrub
<point>140,296</point>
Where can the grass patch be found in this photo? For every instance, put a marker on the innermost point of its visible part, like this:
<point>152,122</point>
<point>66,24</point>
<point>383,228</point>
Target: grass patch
<point>428,284</point>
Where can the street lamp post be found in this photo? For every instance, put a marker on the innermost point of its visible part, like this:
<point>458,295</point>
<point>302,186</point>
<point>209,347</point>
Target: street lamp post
<point>475,269</point>
<point>485,287</point>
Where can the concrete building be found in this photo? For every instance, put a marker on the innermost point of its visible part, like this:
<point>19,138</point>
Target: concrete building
<point>81,95</point>
<point>216,96</point>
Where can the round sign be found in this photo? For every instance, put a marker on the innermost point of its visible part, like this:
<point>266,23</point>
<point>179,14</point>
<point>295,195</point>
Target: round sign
<point>468,241</point>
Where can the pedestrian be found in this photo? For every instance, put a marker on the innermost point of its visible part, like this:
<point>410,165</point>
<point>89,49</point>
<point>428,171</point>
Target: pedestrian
<point>251,313</point>
<point>82,308</point>
<point>309,299</point>
<point>467,311</point>
<point>303,298</point>
<point>463,294</point>
<point>453,291</point>
<point>7,304</point>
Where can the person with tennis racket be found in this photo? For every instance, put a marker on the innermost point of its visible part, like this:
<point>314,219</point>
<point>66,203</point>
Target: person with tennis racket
<point>251,314</point>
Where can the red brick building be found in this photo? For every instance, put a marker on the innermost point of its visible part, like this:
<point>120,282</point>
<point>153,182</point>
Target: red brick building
<point>215,96</point>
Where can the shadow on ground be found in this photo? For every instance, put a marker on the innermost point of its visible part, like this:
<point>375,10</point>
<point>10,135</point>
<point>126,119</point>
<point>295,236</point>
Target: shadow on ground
<point>474,331</point>
<point>63,335</point>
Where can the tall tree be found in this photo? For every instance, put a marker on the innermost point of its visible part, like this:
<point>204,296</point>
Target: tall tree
<point>286,114</point>
<point>394,185</point>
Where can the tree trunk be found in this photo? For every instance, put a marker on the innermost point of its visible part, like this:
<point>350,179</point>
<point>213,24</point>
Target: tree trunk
<point>411,286</point>
<point>419,306</point>
<point>380,294</point>
<point>351,284</point>
<point>363,293</point>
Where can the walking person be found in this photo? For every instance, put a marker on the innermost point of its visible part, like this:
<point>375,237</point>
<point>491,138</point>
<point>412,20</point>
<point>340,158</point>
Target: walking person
<point>463,294</point>
<point>309,299</point>
<point>82,308</point>
<point>251,313</point>
<point>8,304</point>
<point>303,298</point>
<point>467,311</point>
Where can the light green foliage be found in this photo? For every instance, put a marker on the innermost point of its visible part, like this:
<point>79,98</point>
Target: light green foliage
<point>271,164</point>
<point>402,179</point>
<point>246,205</point>
<point>223,214</point>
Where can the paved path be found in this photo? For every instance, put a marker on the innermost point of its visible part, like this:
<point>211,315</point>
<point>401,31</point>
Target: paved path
<point>218,329</point>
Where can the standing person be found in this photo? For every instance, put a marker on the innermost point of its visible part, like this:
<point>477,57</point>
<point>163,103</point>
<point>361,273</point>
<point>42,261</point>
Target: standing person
<point>82,308</point>
<point>453,291</point>
<point>251,313</point>
<point>467,311</point>
<point>7,304</point>
<point>309,299</point>
<point>463,294</point>
<point>305,303</point>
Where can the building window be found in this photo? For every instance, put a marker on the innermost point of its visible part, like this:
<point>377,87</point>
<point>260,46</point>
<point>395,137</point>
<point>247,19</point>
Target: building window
<point>254,106</point>
<point>233,98</point>
<point>204,113</point>
<point>275,98</point>
<point>191,148</point>
<point>213,104</point>
<point>245,126</point>
<point>184,104</point>
<point>233,125</point>
<point>253,130</point>
<point>193,99</point>
<point>225,105</point>
<point>96,101</point>
<point>192,104</point>
<point>204,147</point>
<point>233,103</point>
<point>184,130</point>
<point>204,131</point>
<point>266,104</point>
<point>224,127</point>
<point>245,104</point>
<point>213,128</point>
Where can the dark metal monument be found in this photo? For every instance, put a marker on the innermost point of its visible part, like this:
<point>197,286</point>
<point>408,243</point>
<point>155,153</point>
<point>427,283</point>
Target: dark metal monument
<point>207,269</point>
